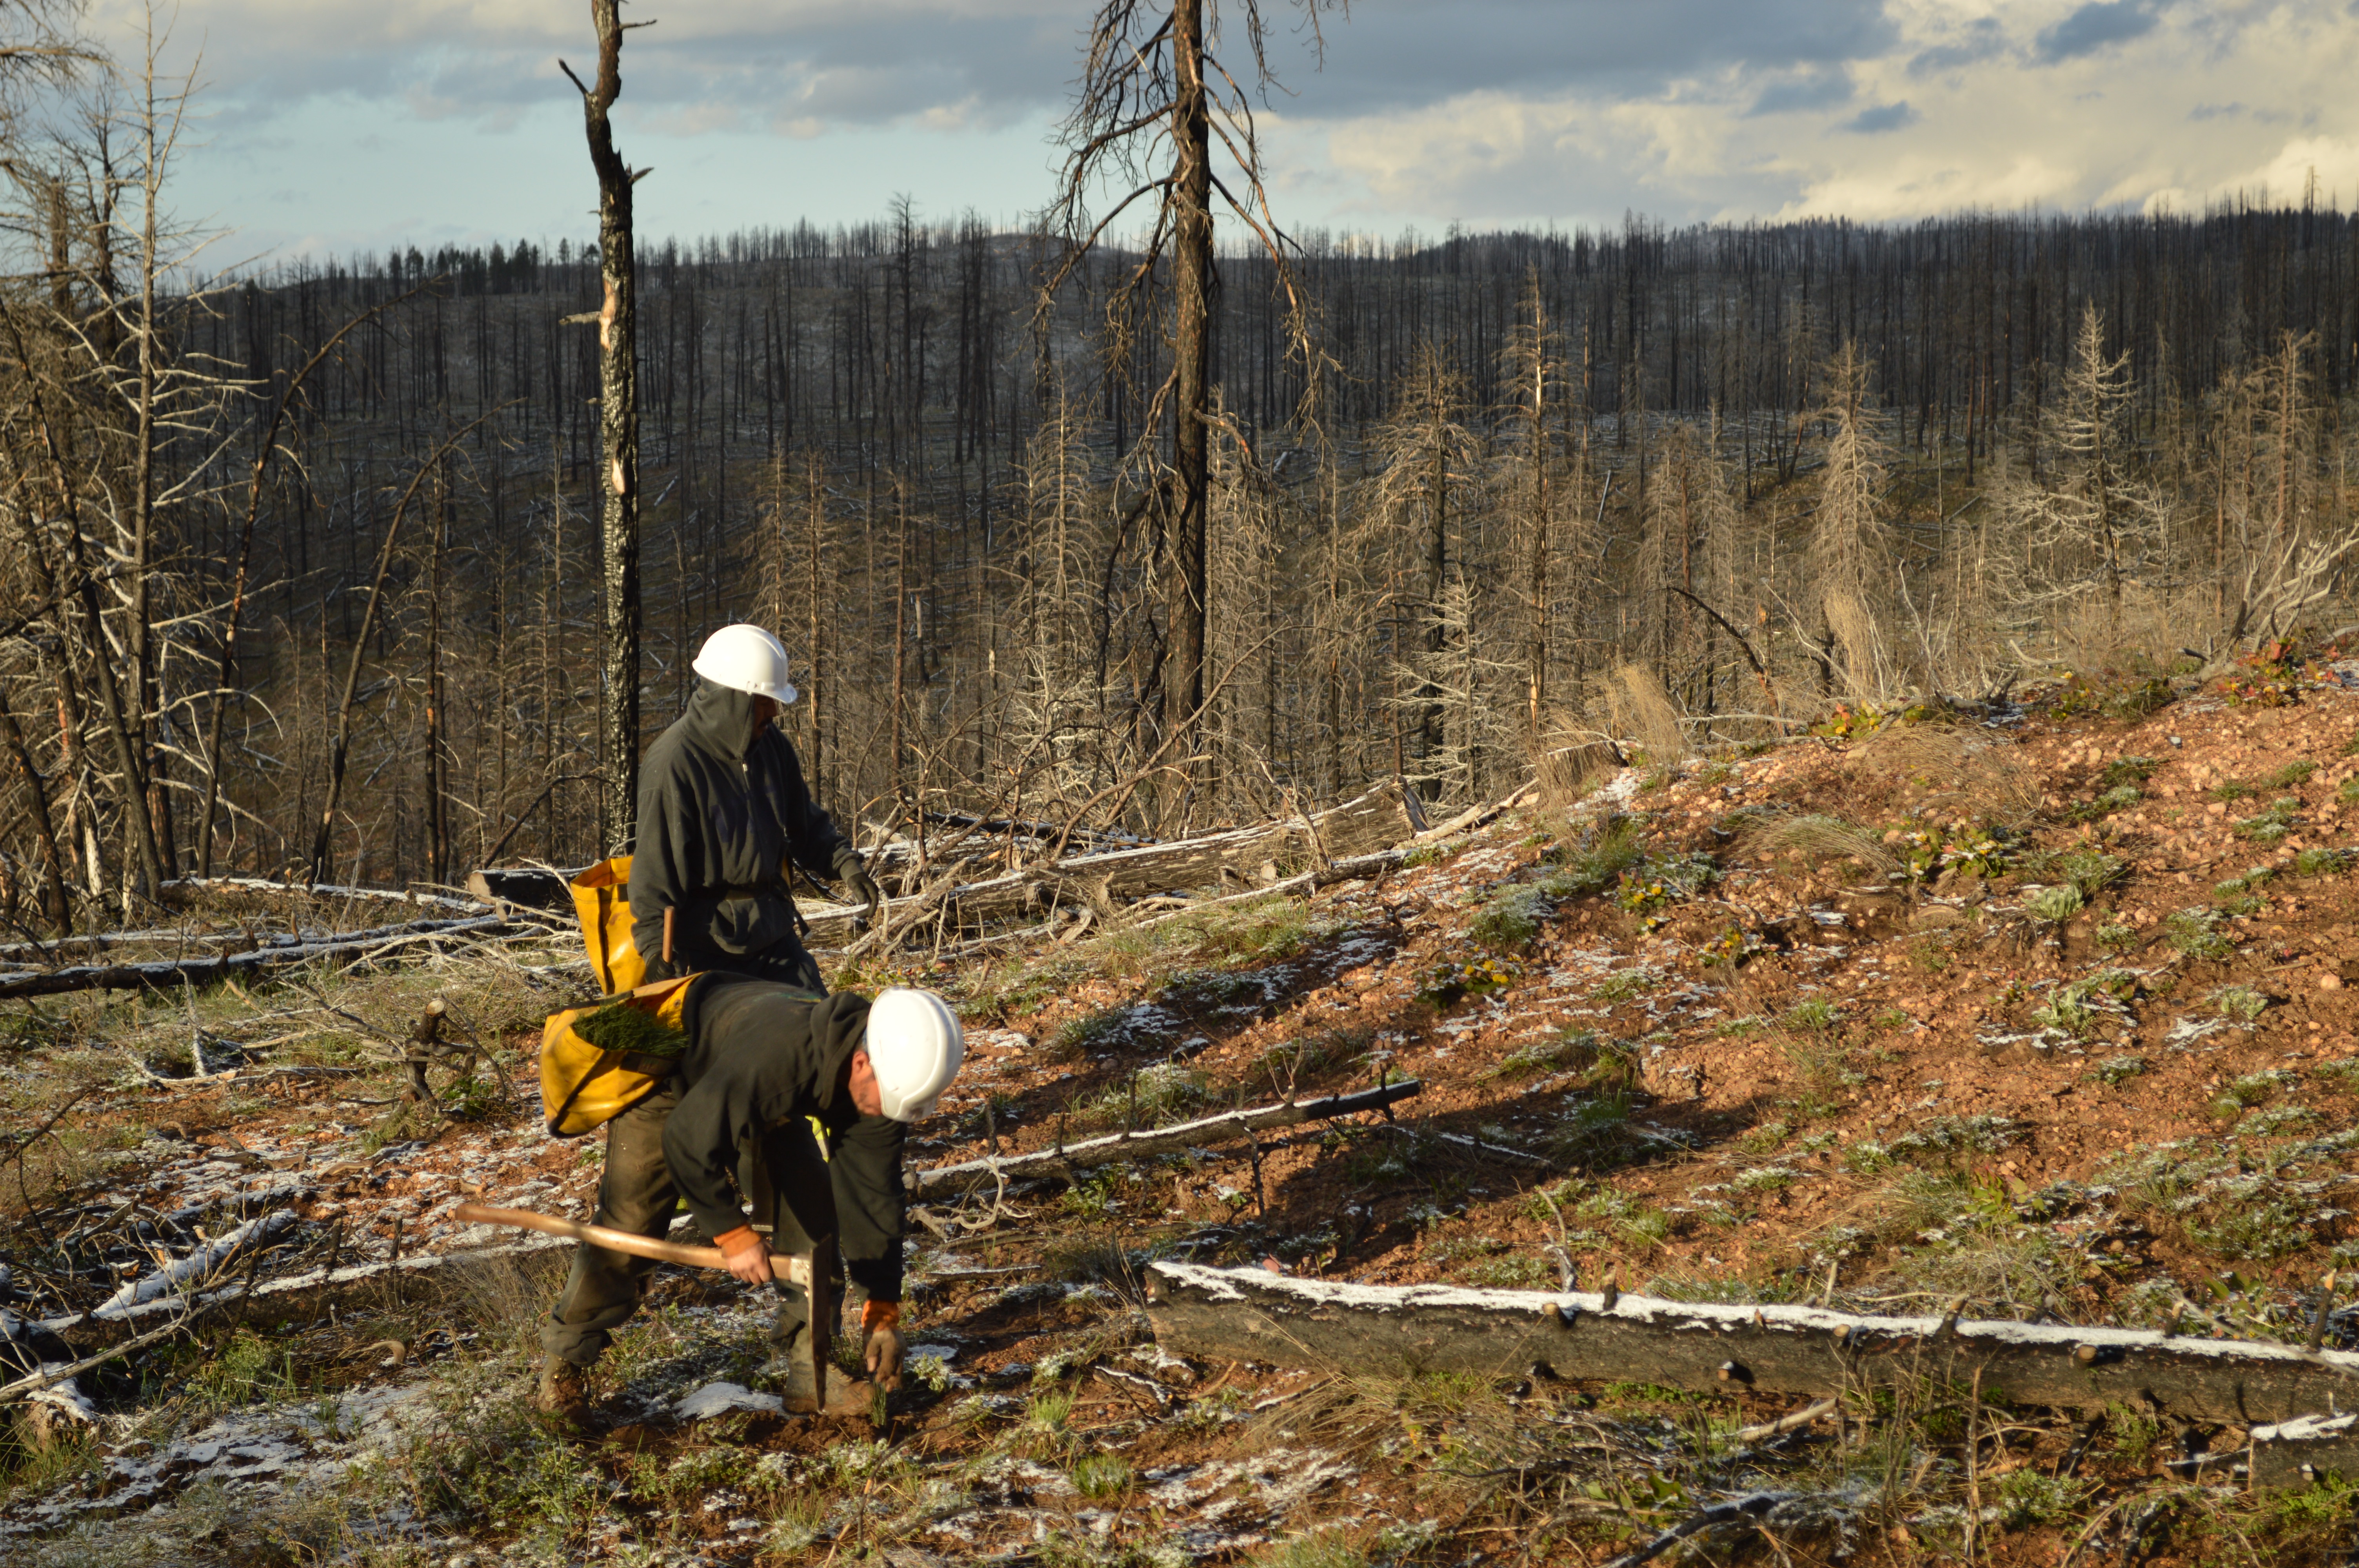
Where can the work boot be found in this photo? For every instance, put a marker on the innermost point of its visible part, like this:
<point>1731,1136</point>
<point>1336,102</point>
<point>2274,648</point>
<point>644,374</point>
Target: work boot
<point>564,1390</point>
<point>798,1379</point>
<point>799,1386</point>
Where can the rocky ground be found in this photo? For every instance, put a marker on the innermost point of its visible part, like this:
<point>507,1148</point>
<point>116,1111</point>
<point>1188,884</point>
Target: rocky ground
<point>2043,1010</point>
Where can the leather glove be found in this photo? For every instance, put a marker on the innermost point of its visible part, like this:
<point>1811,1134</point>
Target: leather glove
<point>882,1355</point>
<point>860,884</point>
<point>882,1359</point>
<point>746,1254</point>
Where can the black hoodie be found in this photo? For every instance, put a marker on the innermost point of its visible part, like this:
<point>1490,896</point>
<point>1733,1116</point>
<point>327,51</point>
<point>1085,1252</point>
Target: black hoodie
<point>761,1055</point>
<point>718,809</point>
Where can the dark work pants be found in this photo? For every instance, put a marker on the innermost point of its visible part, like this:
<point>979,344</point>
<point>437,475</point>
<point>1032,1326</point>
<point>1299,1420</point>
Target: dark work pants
<point>636,1194</point>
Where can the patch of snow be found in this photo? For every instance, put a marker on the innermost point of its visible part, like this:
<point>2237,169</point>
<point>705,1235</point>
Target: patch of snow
<point>720,1399</point>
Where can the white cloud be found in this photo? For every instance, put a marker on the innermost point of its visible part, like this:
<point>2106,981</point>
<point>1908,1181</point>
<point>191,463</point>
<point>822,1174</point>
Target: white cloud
<point>1481,111</point>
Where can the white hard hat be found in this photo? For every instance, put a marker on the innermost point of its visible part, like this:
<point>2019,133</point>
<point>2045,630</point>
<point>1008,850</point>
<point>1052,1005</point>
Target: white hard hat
<point>745,658</point>
<point>914,1047</point>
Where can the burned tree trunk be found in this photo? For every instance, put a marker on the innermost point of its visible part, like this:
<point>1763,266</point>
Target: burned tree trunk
<point>1192,216</point>
<point>618,430</point>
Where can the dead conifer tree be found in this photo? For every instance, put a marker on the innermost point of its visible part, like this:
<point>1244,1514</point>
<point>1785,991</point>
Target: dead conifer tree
<point>1849,556</point>
<point>618,428</point>
<point>1154,80</point>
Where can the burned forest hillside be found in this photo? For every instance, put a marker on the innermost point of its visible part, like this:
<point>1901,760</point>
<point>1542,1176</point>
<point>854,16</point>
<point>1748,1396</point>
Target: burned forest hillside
<point>1999,1029</point>
<point>1526,494</point>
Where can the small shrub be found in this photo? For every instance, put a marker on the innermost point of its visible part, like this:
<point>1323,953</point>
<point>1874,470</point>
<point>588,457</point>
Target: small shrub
<point>2118,1069</point>
<point>2241,1003</point>
<point>2117,937</point>
<point>2342,1073</point>
<point>1511,919</point>
<point>2054,905</point>
<point>1624,985</point>
<point>1595,1133</point>
<point>2274,823</point>
<point>2321,862</point>
<point>2191,932</point>
<point>1448,984</point>
<point>1765,1137</point>
<point>1815,1014</point>
<point>2232,790</point>
<point>2292,774</point>
<point>1097,1476</point>
<point>1957,1135</point>
<point>2129,771</point>
<point>2089,871</point>
<point>1089,1033</point>
<point>2029,1497</point>
<point>2348,794</point>
<point>1612,848</point>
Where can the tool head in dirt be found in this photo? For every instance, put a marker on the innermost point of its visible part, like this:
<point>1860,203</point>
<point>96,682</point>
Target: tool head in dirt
<point>745,658</point>
<point>914,1046</point>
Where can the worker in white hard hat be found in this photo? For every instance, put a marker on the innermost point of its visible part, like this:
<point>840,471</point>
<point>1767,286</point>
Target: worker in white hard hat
<point>723,815</point>
<point>768,1070</point>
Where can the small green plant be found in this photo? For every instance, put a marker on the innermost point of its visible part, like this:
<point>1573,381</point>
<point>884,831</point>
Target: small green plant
<point>2117,935</point>
<point>2232,790</point>
<point>1089,1035</point>
<point>2191,932</point>
<point>2343,1072</point>
<point>2030,1496</point>
<point>2242,1004</point>
<point>1768,1135</point>
<point>2348,792</point>
<point>2251,1089</point>
<point>1622,985</point>
<point>1511,919</point>
<point>2071,1011</point>
<point>2274,823</point>
<point>1100,1475</point>
<point>2324,862</point>
<point>2292,774</point>
<point>1447,984</point>
<point>2129,771</point>
<point>1594,1133</point>
<point>2116,1070</point>
<point>1612,848</point>
<point>2054,905</point>
<point>2089,871</point>
<point>1815,1014</point>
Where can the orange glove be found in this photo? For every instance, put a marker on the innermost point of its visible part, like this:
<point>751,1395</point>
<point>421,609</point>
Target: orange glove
<point>746,1254</point>
<point>876,1314</point>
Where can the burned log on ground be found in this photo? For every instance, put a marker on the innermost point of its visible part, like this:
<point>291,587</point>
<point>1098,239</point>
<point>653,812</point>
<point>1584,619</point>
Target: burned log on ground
<point>1249,1315</point>
<point>1063,1163</point>
<point>272,951</point>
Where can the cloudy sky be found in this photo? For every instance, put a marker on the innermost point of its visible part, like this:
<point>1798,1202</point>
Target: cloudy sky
<point>342,125</point>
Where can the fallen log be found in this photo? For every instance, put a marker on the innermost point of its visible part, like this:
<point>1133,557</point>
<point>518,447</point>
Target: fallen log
<point>523,887</point>
<point>216,968</point>
<point>1073,1157</point>
<point>1249,1315</point>
<point>306,1295</point>
<point>1373,821</point>
<point>181,890</point>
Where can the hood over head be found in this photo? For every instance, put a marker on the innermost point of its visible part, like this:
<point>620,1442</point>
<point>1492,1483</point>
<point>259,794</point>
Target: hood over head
<point>722,718</point>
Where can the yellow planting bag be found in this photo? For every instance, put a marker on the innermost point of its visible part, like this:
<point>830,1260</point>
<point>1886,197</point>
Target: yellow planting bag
<point>597,1062</point>
<point>601,897</point>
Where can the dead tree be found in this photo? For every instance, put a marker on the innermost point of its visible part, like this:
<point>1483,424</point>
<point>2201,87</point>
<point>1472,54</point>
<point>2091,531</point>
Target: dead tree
<point>1149,80</point>
<point>618,428</point>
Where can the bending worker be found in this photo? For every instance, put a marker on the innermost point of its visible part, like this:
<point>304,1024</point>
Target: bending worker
<point>722,805</point>
<point>763,1062</point>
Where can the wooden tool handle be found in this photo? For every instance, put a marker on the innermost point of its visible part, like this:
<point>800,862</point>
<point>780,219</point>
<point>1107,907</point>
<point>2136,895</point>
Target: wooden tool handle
<point>667,946</point>
<point>795,1269</point>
